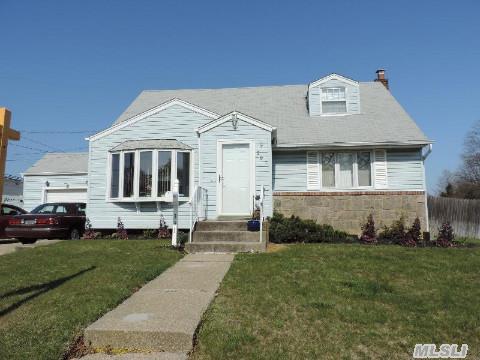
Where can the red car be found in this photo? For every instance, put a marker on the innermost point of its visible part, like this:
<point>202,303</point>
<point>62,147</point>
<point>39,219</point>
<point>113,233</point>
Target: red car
<point>48,221</point>
<point>8,212</point>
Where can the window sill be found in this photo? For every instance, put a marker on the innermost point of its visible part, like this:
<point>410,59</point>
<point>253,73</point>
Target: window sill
<point>332,189</point>
<point>151,200</point>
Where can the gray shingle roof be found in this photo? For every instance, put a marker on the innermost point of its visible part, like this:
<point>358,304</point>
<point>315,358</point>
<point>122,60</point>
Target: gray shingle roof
<point>151,144</point>
<point>60,163</point>
<point>382,119</point>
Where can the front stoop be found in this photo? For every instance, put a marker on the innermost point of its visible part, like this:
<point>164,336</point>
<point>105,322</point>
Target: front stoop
<point>225,237</point>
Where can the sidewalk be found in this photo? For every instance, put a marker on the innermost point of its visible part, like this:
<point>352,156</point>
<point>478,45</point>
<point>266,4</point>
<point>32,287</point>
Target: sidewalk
<point>9,246</point>
<point>164,314</point>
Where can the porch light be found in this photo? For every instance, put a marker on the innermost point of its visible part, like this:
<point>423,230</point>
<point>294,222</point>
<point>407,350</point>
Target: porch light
<point>234,121</point>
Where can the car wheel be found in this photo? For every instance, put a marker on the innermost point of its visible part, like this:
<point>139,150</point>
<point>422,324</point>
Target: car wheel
<point>27,241</point>
<point>74,234</point>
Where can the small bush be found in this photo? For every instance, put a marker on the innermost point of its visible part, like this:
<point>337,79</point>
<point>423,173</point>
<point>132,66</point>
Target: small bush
<point>296,230</point>
<point>89,233</point>
<point>369,233</point>
<point>121,231</point>
<point>398,234</point>
<point>149,234</point>
<point>446,236</point>
<point>393,234</point>
<point>182,238</point>
<point>163,232</point>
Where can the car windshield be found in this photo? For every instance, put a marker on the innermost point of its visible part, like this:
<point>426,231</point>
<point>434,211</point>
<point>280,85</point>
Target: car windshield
<point>44,209</point>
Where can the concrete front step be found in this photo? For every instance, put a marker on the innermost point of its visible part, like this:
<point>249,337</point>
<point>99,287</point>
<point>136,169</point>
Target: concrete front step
<point>216,225</point>
<point>227,236</point>
<point>225,247</point>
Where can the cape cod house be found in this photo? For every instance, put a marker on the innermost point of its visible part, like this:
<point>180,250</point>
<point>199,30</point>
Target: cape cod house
<point>334,150</point>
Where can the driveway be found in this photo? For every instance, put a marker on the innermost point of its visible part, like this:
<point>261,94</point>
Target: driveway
<point>7,246</point>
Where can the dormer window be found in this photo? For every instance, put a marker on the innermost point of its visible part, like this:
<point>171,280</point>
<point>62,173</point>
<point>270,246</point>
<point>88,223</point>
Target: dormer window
<point>334,100</point>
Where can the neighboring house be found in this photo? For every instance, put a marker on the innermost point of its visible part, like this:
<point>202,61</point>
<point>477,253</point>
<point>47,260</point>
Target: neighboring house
<point>13,191</point>
<point>334,150</point>
<point>56,177</point>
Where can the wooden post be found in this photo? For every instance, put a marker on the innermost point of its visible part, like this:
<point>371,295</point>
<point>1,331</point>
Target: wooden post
<point>5,134</point>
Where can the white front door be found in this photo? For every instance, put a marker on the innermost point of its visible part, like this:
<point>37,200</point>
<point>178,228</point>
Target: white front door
<point>234,179</point>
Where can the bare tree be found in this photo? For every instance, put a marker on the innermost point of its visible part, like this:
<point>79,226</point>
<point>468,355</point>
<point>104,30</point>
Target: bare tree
<point>469,172</point>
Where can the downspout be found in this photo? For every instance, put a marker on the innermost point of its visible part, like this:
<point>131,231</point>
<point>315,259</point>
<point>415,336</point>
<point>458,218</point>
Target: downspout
<point>424,157</point>
<point>199,160</point>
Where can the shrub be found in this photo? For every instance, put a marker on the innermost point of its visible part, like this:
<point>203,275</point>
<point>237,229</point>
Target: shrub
<point>393,234</point>
<point>369,233</point>
<point>413,235</point>
<point>163,232</point>
<point>149,234</point>
<point>182,238</point>
<point>89,233</point>
<point>296,230</point>
<point>445,237</point>
<point>121,231</point>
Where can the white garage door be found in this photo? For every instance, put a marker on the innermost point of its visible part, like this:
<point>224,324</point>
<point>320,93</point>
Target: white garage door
<point>66,195</point>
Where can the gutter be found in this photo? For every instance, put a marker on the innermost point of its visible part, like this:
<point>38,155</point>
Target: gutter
<point>350,145</point>
<point>429,150</point>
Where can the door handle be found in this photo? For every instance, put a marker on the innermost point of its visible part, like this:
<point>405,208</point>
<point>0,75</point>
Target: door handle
<point>220,177</point>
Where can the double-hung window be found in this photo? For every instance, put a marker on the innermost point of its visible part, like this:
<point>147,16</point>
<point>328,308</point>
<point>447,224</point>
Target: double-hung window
<point>339,170</point>
<point>334,100</point>
<point>148,175</point>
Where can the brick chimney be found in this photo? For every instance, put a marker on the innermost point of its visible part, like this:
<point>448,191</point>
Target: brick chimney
<point>381,77</point>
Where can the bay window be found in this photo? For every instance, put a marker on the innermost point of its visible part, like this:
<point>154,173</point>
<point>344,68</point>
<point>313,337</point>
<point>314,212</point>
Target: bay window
<point>183,172</point>
<point>145,180</point>
<point>339,170</point>
<point>164,172</point>
<point>115,178</point>
<point>148,175</point>
<point>128,173</point>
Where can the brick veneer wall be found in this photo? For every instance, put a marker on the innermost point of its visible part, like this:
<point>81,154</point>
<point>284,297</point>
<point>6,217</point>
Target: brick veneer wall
<point>349,210</point>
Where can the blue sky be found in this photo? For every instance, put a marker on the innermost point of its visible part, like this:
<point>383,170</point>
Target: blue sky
<point>75,65</point>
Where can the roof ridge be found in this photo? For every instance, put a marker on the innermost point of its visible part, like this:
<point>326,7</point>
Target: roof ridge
<point>240,87</point>
<point>227,88</point>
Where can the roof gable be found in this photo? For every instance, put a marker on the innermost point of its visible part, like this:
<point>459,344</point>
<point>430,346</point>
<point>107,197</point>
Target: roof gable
<point>231,116</point>
<point>149,112</point>
<point>333,76</point>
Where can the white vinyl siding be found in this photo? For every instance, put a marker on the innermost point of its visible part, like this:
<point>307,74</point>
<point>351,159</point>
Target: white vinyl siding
<point>404,168</point>
<point>35,186</point>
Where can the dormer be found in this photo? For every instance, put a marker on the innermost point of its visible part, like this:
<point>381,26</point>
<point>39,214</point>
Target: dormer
<point>333,95</point>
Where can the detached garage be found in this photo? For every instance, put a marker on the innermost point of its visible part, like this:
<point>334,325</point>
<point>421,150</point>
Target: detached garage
<point>57,177</point>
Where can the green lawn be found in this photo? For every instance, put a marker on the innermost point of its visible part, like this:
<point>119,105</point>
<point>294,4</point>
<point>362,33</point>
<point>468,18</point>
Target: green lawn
<point>49,294</point>
<point>344,302</point>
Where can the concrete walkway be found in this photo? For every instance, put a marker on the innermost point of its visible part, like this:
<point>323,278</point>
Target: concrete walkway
<point>164,314</point>
<point>9,247</point>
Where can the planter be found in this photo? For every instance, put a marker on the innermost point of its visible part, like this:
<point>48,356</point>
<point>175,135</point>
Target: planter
<point>253,225</point>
